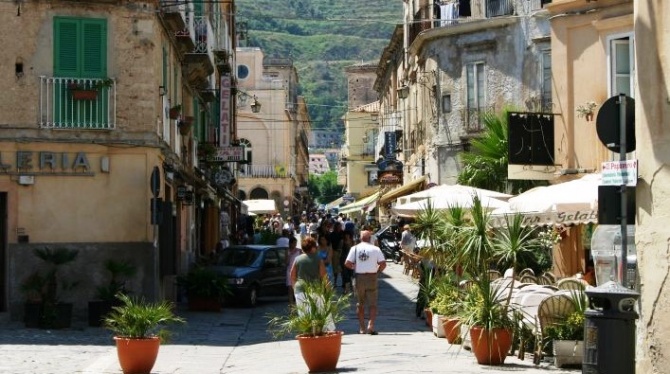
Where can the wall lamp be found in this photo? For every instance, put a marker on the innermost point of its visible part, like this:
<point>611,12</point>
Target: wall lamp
<point>255,106</point>
<point>403,91</point>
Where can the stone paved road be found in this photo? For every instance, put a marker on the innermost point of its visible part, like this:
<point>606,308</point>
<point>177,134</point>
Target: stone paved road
<point>236,341</point>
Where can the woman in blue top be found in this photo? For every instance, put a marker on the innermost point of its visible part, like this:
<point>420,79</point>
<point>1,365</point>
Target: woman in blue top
<point>325,252</point>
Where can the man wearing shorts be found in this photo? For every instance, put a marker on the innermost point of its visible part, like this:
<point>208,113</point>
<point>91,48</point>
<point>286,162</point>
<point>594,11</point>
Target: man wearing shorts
<point>367,261</point>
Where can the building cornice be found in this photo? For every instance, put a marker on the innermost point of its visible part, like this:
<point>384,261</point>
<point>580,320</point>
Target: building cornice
<point>458,29</point>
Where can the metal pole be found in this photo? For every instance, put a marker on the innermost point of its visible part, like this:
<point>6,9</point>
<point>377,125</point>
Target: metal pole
<point>624,213</point>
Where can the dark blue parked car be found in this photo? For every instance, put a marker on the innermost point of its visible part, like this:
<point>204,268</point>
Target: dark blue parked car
<point>253,271</point>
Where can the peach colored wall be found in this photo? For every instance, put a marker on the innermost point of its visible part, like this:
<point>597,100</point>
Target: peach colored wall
<point>652,116</point>
<point>580,74</point>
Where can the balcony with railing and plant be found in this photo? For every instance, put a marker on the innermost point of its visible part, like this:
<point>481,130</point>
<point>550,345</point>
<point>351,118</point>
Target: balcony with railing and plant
<point>266,171</point>
<point>77,103</point>
<point>473,118</point>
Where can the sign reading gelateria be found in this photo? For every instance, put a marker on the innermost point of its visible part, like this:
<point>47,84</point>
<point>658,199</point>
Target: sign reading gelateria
<point>45,163</point>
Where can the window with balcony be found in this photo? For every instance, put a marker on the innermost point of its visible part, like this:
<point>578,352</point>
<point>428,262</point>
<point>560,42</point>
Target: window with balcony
<point>80,94</point>
<point>622,65</point>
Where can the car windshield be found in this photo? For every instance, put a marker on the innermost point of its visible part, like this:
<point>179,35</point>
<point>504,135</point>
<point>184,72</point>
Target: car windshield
<point>238,257</point>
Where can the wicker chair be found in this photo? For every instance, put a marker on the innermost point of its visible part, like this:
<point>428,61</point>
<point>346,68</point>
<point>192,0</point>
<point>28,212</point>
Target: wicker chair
<point>527,278</point>
<point>550,275</point>
<point>526,271</point>
<point>571,284</point>
<point>494,274</point>
<point>551,311</point>
<point>545,280</point>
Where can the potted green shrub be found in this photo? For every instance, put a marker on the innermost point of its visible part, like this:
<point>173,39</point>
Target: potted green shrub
<point>44,307</point>
<point>88,90</point>
<point>139,327</point>
<point>319,348</point>
<point>445,307</point>
<point>175,111</point>
<point>205,289</point>
<point>566,338</point>
<point>106,294</point>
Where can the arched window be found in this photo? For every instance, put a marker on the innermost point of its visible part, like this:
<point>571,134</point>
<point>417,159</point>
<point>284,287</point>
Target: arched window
<point>246,168</point>
<point>241,195</point>
<point>258,193</point>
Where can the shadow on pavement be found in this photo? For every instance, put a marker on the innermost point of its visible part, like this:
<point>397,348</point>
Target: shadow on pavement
<point>237,326</point>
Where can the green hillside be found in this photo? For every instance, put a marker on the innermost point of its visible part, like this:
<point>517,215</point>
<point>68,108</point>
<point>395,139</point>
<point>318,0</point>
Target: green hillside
<point>322,37</point>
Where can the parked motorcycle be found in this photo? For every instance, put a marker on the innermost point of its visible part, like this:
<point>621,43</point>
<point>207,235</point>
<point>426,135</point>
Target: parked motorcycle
<point>389,243</point>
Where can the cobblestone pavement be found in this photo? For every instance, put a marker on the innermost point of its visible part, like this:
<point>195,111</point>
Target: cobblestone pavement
<point>236,341</point>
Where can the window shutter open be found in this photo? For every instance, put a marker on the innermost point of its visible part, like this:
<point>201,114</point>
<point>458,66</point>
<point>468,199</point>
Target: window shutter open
<point>66,47</point>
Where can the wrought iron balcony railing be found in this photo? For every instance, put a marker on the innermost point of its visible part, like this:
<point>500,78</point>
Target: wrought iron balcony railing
<point>77,103</point>
<point>266,171</point>
<point>473,118</point>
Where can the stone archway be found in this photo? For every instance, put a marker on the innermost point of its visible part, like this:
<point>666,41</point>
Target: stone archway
<point>241,195</point>
<point>258,193</point>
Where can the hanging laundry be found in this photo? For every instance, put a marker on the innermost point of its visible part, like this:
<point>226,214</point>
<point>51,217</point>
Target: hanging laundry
<point>447,12</point>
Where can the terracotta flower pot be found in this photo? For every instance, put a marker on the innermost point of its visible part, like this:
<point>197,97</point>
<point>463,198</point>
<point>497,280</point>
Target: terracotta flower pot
<point>321,353</point>
<point>490,346</point>
<point>137,356</point>
<point>452,330</point>
<point>81,94</point>
<point>429,317</point>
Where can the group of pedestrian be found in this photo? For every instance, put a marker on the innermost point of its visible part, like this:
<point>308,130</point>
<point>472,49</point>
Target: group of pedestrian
<point>363,262</point>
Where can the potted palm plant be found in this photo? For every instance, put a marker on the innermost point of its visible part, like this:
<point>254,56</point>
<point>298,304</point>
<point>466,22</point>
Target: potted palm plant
<point>490,325</point>
<point>319,348</point>
<point>44,307</point>
<point>139,328</point>
<point>205,289</point>
<point>106,298</point>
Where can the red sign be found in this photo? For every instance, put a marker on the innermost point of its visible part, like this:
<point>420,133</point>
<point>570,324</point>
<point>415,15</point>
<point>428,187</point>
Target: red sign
<point>224,111</point>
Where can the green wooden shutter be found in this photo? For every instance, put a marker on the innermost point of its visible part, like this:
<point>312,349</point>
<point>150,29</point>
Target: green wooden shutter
<point>66,47</point>
<point>165,67</point>
<point>94,48</point>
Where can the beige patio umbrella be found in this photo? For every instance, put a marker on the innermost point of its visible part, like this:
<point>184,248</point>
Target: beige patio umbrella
<point>445,189</point>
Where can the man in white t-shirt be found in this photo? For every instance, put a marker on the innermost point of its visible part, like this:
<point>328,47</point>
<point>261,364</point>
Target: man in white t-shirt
<point>367,261</point>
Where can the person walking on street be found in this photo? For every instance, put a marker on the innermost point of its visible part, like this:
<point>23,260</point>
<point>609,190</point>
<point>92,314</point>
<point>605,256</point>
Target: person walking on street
<point>308,267</point>
<point>407,240</point>
<point>293,253</point>
<point>367,261</point>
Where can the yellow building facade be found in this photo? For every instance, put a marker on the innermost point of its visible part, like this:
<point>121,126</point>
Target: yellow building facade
<point>86,124</point>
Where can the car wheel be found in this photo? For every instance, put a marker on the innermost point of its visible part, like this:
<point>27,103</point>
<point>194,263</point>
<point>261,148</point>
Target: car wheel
<point>252,296</point>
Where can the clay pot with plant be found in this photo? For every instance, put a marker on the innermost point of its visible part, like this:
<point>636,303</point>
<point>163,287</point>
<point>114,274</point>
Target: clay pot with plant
<point>140,327</point>
<point>119,272</point>
<point>319,348</point>
<point>174,112</point>
<point>205,289</point>
<point>44,306</point>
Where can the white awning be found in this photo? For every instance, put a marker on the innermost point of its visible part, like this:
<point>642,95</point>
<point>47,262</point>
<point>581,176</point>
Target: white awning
<point>260,206</point>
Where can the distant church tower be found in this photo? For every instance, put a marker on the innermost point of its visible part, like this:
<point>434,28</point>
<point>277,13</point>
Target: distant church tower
<point>360,82</point>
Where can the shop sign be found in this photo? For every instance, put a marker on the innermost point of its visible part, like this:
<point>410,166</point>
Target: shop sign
<point>228,154</point>
<point>46,163</point>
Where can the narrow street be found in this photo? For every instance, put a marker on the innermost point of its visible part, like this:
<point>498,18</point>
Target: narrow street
<point>236,341</point>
